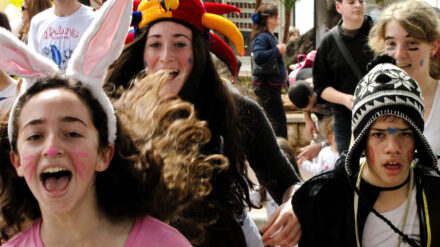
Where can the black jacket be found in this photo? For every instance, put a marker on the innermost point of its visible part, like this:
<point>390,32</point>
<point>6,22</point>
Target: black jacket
<point>324,206</point>
<point>330,68</point>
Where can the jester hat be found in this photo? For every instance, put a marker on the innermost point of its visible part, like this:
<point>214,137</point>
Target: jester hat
<point>98,48</point>
<point>202,16</point>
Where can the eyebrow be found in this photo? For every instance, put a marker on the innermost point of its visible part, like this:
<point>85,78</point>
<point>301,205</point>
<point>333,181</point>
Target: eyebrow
<point>392,37</point>
<point>377,129</point>
<point>66,119</point>
<point>176,35</point>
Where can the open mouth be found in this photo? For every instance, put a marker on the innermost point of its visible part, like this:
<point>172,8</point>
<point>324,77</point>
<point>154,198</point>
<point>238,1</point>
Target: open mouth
<point>55,178</point>
<point>392,166</point>
<point>173,73</point>
<point>404,65</point>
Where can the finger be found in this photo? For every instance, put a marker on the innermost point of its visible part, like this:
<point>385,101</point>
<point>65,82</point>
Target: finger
<point>270,221</point>
<point>285,235</point>
<point>293,238</point>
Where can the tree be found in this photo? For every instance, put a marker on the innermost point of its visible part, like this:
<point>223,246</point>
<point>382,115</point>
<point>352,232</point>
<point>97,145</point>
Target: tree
<point>288,7</point>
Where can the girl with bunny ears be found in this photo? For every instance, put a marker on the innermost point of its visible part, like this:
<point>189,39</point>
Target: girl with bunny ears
<point>79,178</point>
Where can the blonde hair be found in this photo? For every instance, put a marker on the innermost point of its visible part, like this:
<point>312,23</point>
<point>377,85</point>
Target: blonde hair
<point>418,18</point>
<point>170,128</point>
<point>326,126</point>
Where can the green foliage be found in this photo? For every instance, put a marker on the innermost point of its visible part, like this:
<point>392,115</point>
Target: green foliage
<point>289,4</point>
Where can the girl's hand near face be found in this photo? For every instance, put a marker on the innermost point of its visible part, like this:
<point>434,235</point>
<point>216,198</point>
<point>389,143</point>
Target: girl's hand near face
<point>281,48</point>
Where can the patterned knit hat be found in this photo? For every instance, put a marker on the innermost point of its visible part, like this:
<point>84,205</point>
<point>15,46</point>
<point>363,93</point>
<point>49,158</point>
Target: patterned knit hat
<point>387,90</point>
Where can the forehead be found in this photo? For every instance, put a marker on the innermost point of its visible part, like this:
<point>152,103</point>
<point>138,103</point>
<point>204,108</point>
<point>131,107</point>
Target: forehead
<point>54,103</point>
<point>394,29</point>
<point>390,121</point>
<point>165,28</point>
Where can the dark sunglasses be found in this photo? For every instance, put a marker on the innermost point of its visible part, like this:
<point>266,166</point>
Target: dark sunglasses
<point>23,8</point>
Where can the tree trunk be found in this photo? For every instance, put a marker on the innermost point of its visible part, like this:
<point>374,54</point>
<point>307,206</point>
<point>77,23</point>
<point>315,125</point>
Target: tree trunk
<point>287,14</point>
<point>257,4</point>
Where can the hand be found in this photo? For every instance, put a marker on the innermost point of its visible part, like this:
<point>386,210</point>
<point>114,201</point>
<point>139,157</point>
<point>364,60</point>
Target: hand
<point>309,152</point>
<point>281,47</point>
<point>284,220</point>
<point>348,101</point>
<point>311,129</point>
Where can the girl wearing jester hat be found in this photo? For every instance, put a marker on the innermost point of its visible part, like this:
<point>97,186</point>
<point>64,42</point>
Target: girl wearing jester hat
<point>174,36</point>
<point>392,196</point>
<point>77,177</point>
<point>409,31</point>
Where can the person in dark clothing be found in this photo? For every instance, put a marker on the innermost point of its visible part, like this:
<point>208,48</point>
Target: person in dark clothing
<point>333,79</point>
<point>393,195</point>
<point>172,38</point>
<point>265,47</point>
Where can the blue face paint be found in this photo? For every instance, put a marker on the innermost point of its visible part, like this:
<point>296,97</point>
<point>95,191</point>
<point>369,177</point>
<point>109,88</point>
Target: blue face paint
<point>421,62</point>
<point>393,131</point>
<point>145,64</point>
<point>190,60</point>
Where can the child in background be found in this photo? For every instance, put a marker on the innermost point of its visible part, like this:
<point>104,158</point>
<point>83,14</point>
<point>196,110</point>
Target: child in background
<point>328,155</point>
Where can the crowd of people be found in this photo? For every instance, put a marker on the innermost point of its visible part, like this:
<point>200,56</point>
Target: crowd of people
<point>116,127</point>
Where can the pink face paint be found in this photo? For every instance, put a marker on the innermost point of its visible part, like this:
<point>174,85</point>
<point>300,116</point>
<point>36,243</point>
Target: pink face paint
<point>409,155</point>
<point>51,151</point>
<point>370,154</point>
<point>78,164</point>
<point>29,157</point>
<point>32,166</point>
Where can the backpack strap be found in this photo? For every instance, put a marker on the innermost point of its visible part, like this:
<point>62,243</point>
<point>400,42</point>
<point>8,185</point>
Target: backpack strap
<point>347,55</point>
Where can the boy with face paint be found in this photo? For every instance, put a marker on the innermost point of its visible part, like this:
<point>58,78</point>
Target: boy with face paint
<point>390,197</point>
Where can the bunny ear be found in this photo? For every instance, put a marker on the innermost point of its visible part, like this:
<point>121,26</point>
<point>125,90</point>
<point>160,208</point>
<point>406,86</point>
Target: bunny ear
<point>102,43</point>
<point>17,59</point>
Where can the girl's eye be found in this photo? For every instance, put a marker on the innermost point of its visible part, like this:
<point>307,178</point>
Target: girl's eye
<point>73,134</point>
<point>413,45</point>
<point>390,46</point>
<point>34,137</point>
<point>154,45</point>
<point>181,44</point>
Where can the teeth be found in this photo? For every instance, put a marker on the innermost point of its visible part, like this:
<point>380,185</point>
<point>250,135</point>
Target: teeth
<point>54,170</point>
<point>392,163</point>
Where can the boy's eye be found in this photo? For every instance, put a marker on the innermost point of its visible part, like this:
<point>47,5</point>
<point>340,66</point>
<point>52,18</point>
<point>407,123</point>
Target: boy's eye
<point>406,134</point>
<point>377,134</point>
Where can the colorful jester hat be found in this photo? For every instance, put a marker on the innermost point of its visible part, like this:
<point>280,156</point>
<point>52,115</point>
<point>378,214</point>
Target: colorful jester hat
<point>203,16</point>
<point>98,48</point>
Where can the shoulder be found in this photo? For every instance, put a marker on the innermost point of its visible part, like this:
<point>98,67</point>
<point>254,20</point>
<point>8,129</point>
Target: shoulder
<point>322,187</point>
<point>156,233</point>
<point>28,237</point>
<point>42,16</point>
<point>247,108</point>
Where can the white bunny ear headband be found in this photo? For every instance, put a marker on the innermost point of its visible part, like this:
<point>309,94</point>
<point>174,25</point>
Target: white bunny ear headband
<point>100,45</point>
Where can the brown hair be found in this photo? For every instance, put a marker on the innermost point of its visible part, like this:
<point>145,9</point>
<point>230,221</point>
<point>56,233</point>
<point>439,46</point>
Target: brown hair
<point>33,7</point>
<point>418,18</point>
<point>264,11</point>
<point>158,168</point>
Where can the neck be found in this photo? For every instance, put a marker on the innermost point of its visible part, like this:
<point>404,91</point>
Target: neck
<point>64,8</point>
<point>349,25</point>
<point>5,80</point>
<point>392,199</point>
<point>84,228</point>
<point>334,147</point>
